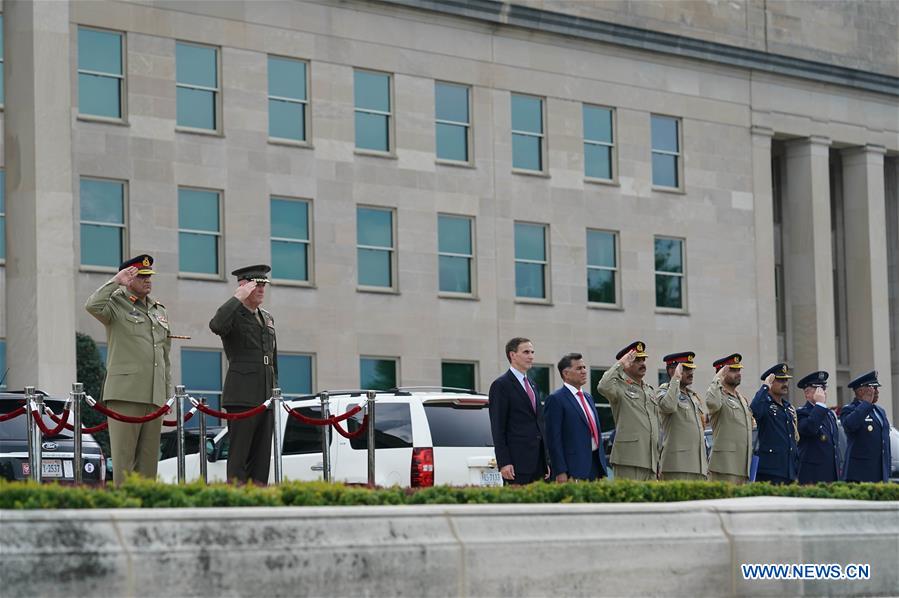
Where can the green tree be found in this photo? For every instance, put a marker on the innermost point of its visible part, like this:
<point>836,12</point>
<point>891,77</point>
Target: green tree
<point>91,373</point>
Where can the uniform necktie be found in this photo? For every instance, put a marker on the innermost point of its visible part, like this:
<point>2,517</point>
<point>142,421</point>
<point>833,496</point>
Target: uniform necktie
<point>589,416</point>
<point>530,391</point>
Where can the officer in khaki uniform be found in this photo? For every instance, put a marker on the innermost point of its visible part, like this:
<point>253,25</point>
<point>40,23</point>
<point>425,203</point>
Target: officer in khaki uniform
<point>683,422</point>
<point>248,337</point>
<point>732,423</point>
<point>635,454</point>
<point>138,371</point>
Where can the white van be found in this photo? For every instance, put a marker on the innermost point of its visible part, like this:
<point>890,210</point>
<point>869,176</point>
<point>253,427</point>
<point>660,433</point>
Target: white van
<point>422,438</point>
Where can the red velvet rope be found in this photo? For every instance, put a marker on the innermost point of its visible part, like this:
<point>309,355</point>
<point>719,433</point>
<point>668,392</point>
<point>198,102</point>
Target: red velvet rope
<point>12,414</point>
<point>174,422</point>
<point>306,420</point>
<point>231,416</point>
<point>339,418</point>
<point>333,420</point>
<point>59,426</point>
<point>69,427</point>
<point>129,419</point>
<point>355,434</point>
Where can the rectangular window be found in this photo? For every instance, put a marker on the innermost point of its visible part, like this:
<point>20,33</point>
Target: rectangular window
<point>295,374</point>
<point>100,72</point>
<point>602,267</point>
<point>666,151</point>
<point>375,247</point>
<point>540,376</point>
<point>599,143</point>
<point>199,231</point>
<point>288,109</point>
<point>3,373</point>
<point>456,253</point>
<point>197,86</point>
<point>527,133</point>
<point>669,258</point>
<point>530,260</point>
<point>102,222</point>
<point>453,121</point>
<point>458,374</point>
<point>606,419</point>
<point>201,375</point>
<point>377,373</point>
<point>393,427</point>
<point>371,92</point>
<point>291,246</point>
<point>2,216</point>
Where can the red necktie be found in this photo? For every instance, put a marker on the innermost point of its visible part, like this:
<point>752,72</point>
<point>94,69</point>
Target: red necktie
<point>589,417</point>
<point>530,391</point>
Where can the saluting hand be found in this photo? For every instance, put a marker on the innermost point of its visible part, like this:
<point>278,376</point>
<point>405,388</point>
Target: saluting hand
<point>244,290</point>
<point>720,374</point>
<point>628,359</point>
<point>820,396</point>
<point>769,380</point>
<point>678,372</point>
<point>126,275</point>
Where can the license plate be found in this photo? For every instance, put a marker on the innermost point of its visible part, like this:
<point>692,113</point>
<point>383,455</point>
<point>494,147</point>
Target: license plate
<point>51,468</point>
<point>491,477</point>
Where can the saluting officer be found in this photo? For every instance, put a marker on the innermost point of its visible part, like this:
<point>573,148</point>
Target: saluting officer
<point>868,457</point>
<point>138,370</point>
<point>683,422</point>
<point>776,418</point>
<point>248,337</point>
<point>635,453</point>
<point>819,441</point>
<point>732,423</point>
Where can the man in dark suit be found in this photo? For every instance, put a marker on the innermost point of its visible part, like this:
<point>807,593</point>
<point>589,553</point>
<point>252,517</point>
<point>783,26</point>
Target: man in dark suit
<point>573,436</point>
<point>776,418</point>
<point>516,419</point>
<point>819,452</point>
<point>248,337</point>
<point>867,429</point>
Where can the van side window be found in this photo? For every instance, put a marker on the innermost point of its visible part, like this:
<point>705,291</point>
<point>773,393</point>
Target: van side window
<point>393,427</point>
<point>300,438</point>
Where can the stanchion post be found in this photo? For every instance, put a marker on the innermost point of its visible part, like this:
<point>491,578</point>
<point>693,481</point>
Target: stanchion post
<point>204,466</point>
<point>34,441</point>
<point>77,395</point>
<point>39,438</point>
<point>370,436</point>
<point>179,431</point>
<point>326,429</point>
<point>276,437</point>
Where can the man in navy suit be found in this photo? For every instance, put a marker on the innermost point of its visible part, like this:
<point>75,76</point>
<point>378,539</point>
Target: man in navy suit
<point>776,419</point>
<point>573,436</point>
<point>867,432</point>
<point>516,419</point>
<point>819,441</point>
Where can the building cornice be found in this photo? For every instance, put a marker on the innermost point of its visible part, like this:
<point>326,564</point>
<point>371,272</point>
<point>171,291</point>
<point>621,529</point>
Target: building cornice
<point>515,15</point>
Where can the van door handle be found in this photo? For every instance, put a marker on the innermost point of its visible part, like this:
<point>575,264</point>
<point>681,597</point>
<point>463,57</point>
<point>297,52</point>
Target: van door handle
<point>318,467</point>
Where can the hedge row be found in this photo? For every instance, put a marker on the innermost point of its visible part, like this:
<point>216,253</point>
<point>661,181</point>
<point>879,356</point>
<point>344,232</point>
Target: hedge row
<point>141,493</point>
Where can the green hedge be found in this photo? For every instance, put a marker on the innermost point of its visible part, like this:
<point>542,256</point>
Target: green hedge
<point>136,492</point>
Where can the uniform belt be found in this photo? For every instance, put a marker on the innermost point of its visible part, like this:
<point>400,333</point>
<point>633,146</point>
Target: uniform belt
<point>266,360</point>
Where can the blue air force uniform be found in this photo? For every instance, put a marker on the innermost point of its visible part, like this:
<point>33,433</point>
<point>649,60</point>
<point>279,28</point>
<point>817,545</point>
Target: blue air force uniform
<point>867,430</point>
<point>819,439</point>
<point>777,435</point>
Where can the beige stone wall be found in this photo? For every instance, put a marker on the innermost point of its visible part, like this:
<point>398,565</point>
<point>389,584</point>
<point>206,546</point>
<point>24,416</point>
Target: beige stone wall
<point>857,34</point>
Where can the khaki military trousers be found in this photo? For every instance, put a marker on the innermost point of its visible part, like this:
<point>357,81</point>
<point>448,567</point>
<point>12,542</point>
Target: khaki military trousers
<point>714,476</point>
<point>135,447</point>
<point>628,472</point>
<point>683,475</point>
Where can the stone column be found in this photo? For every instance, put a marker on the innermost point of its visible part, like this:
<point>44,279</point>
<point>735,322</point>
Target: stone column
<point>40,264</point>
<point>864,212</point>
<point>762,191</point>
<point>808,256</point>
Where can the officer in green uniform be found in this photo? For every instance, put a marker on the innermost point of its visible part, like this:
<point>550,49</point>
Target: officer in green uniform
<point>732,423</point>
<point>683,422</point>
<point>138,370</point>
<point>635,453</point>
<point>248,336</point>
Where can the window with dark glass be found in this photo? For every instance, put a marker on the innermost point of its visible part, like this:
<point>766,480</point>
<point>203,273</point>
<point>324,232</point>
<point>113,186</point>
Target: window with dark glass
<point>540,375</point>
<point>287,98</point>
<point>375,247</point>
<point>197,83</point>
<point>100,72</point>
<point>458,374</point>
<point>102,222</point>
<point>666,151</point>
<point>377,373</point>
<point>295,374</point>
<point>453,121</point>
<point>669,273</point>
<point>393,427</point>
<point>290,239</point>
<point>598,142</point>
<point>371,92</point>
<point>456,253</point>
<point>302,438</point>
<point>602,267</point>
<point>527,132</point>
<point>199,231</point>
<point>201,375</point>
<point>458,425</point>
<point>530,260</point>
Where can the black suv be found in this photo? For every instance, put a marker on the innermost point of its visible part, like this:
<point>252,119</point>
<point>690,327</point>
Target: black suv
<point>57,453</point>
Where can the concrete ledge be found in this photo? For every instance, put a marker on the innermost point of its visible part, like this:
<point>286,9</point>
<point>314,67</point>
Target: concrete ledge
<point>680,549</point>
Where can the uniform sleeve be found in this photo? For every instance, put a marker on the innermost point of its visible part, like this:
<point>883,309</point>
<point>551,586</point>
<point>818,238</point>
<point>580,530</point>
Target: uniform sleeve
<point>100,305</point>
<point>668,397</point>
<point>759,405</point>
<point>606,386</point>
<point>809,420</point>
<point>552,414</point>
<point>713,397</point>
<point>499,412</point>
<point>223,319</point>
<point>853,416</point>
